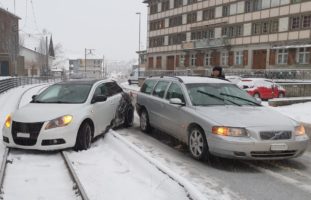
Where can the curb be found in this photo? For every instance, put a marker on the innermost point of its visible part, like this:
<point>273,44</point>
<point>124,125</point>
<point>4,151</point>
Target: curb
<point>189,188</point>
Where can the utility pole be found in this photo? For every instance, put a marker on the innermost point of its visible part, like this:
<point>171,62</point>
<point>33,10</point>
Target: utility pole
<point>86,52</point>
<point>139,13</point>
<point>14,7</point>
<point>47,57</point>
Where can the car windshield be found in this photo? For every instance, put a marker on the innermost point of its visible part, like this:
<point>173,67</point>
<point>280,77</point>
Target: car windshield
<point>211,94</point>
<point>64,93</point>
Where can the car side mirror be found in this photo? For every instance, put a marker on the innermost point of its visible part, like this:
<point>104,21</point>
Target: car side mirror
<point>98,98</point>
<point>33,98</point>
<point>176,101</point>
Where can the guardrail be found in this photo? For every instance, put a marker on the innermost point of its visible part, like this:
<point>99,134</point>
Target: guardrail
<point>10,83</point>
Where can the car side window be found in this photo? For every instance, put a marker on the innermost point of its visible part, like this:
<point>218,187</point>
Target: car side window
<point>101,90</point>
<point>113,88</point>
<point>175,92</point>
<point>148,86</point>
<point>160,89</point>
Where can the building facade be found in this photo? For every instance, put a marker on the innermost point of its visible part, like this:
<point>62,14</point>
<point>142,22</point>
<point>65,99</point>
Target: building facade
<point>92,68</point>
<point>252,34</point>
<point>9,43</point>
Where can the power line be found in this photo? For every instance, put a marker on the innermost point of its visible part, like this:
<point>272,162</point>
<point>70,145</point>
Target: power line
<point>34,15</point>
<point>25,23</point>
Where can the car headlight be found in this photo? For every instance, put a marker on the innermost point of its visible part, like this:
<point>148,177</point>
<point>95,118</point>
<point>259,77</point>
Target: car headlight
<point>8,121</point>
<point>229,131</point>
<point>300,130</point>
<point>59,122</point>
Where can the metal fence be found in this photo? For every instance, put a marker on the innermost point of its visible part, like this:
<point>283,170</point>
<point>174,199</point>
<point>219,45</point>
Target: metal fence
<point>9,83</point>
<point>284,74</point>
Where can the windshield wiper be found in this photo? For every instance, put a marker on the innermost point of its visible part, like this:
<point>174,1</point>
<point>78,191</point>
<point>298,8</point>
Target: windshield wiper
<point>217,97</point>
<point>228,95</point>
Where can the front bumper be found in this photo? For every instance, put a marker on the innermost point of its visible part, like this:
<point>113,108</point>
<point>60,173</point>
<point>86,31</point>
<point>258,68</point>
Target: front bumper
<point>252,149</point>
<point>47,140</point>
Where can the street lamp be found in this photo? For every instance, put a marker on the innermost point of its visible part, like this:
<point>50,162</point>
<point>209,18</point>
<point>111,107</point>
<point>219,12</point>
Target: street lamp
<point>139,14</point>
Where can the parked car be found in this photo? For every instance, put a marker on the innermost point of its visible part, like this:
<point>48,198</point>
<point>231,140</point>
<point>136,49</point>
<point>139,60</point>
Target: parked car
<point>262,88</point>
<point>213,116</point>
<point>134,75</point>
<point>68,114</point>
<point>234,79</point>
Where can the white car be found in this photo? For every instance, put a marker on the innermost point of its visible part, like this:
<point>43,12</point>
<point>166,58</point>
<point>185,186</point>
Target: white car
<point>65,115</point>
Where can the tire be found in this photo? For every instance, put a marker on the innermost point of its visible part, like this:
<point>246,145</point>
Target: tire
<point>130,82</point>
<point>257,95</point>
<point>84,137</point>
<point>281,95</point>
<point>144,121</point>
<point>129,117</point>
<point>197,144</point>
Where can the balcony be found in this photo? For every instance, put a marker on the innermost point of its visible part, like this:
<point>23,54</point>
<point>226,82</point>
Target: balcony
<point>205,43</point>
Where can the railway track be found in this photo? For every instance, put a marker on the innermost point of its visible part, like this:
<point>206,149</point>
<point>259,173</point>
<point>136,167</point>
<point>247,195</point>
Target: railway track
<point>7,161</point>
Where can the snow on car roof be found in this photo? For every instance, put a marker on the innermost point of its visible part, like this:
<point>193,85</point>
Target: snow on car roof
<point>198,79</point>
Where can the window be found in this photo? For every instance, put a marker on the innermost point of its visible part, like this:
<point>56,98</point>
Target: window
<point>156,25</point>
<point>178,3</point>
<point>175,21</point>
<point>306,21</point>
<point>192,1</point>
<point>239,30</point>
<point>177,38</point>
<point>224,58</point>
<point>175,91</point>
<point>239,57</point>
<point>256,28</point>
<point>282,56</point>
<point>165,5</point>
<point>153,8</point>
<point>303,56</point>
<point>225,31</point>
<point>295,22</point>
<point>232,31</point>
<point>193,60</point>
<point>160,89</point>
<point>265,27</point>
<point>207,59</point>
<point>191,18</point>
<point>209,14</point>
<point>252,5</point>
<point>156,41</point>
<point>225,11</point>
<point>148,86</point>
<point>159,62</point>
<point>274,26</point>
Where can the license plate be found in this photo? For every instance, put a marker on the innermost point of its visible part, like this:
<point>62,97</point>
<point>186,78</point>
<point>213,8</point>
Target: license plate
<point>279,147</point>
<point>23,135</point>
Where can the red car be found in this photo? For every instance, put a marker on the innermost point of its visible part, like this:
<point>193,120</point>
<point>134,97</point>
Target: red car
<point>262,88</point>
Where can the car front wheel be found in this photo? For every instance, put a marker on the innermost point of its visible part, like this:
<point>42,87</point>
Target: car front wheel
<point>197,143</point>
<point>84,137</point>
<point>257,95</point>
<point>144,122</point>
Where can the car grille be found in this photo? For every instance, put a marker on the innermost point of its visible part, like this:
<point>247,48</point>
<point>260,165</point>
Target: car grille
<point>275,135</point>
<point>32,128</point>
<point>272,154</point>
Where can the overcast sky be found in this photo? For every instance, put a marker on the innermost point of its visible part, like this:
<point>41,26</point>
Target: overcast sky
<point>110,27</point>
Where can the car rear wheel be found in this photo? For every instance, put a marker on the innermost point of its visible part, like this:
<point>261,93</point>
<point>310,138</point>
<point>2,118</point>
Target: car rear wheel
<point>144,121</point>
<point>257,95</point>
<point>197,143</point>
<point>84,137</point>
<point>281,95</point>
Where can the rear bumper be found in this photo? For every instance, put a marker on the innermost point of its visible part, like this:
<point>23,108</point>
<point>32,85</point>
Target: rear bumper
<point>251,149</point>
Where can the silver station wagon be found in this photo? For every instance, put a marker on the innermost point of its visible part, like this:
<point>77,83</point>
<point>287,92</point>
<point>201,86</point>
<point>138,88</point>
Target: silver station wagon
<point>213,116</point>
